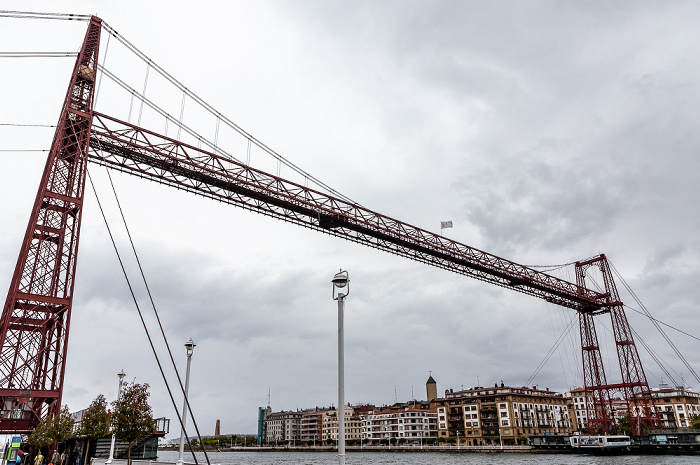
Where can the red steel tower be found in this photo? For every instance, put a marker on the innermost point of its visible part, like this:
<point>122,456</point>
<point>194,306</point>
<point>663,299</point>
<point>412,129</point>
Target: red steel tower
<point>36,317</point>
<point>634,388</point>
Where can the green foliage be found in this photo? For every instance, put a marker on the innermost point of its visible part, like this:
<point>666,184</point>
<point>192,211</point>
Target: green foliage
<point>695,421</point>
<point>624,426</point>
<point>132,416</point>
<point>95,421</point>
<point>52,430</point>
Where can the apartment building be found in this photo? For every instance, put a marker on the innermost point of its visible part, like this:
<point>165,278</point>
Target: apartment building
<point>353,425</point>
<point>676,405</point>
<point>282,426</point>
<point>311,425</point>
<point>481,416</point>
<point>410,423</point>
<point>578,402</point>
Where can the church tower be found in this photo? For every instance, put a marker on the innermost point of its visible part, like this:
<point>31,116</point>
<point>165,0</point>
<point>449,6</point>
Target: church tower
<point>431,388</point>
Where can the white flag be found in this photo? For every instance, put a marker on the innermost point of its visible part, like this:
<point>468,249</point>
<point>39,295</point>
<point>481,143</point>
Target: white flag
<point>445,224</point>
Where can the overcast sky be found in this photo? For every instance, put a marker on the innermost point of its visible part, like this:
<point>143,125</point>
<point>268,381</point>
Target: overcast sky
<point>546,131</point>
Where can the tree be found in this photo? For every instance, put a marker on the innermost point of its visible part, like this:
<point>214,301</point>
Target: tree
<point>624,426</point>
<point>695,421</point>
<point>132,417</point>
<point>95,422</point>
<point>52,430</point>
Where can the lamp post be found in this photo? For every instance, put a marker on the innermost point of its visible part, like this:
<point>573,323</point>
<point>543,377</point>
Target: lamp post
<point>189,345</point>
<point>341,289</point>
<point>121,376</point>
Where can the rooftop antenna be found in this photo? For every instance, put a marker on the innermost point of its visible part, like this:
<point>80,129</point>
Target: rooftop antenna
<point>268,397</point>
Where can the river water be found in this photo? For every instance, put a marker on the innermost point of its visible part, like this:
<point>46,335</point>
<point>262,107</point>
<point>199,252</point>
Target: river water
<point>426,458</point>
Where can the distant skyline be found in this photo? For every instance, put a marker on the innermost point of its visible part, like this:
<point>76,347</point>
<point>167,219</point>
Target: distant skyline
<point>546,132</point>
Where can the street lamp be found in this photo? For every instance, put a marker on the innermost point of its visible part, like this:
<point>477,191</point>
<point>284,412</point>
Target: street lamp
<point>341,289</point>
<point>189,345</point>
<point>121,376</point>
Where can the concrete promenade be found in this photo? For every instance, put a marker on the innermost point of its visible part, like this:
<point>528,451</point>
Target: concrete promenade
<point>367,448</point>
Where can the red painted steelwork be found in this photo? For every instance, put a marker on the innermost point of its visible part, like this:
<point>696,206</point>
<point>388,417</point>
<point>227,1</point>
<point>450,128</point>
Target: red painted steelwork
<point>634,387</point>
<point>36,317</point>
<point>134,150</point>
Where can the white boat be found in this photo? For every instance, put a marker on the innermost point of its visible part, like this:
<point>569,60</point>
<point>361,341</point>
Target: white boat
<point>599,442</point>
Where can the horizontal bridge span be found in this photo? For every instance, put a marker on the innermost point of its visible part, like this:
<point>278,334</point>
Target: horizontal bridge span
<point>128,148</point>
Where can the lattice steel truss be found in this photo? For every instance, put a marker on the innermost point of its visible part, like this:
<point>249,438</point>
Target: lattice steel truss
<point>36,317</point>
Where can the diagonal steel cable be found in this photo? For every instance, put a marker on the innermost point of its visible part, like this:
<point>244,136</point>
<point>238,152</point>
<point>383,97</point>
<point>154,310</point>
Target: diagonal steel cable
<point>138,308</point>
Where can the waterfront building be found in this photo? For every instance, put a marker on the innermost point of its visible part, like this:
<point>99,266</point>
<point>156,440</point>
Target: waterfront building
<point>282,426</point>
<point>580,411</point>
<point>620,409</point>
<point>311,425</point>
<point>262,415</point>
<point>353,425</point>
<point>481,416</point>
<point>675,406</point>
<point>410,423</point>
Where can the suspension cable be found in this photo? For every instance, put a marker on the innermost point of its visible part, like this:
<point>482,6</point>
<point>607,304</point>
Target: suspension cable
<point>99,83</point>
<point>29,125</point>
<point>551,351</point>
<point>138,308</point>
<point>656,324</point>
<point>35,15</point>
<point>38,54</point>
<point>657,358</point>
<point>145,85</point>
<point>155,311</point>
<point>163,113</point>
<point>550,267</point>
<point>662,323</point>
<point>219,115</point>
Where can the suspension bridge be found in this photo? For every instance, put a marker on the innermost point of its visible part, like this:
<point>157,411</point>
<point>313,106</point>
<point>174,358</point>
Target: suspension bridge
<point>152,142</point>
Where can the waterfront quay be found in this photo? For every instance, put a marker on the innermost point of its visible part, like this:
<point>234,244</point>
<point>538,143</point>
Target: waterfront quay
<point>368,448</point>
<point>267,456</point>
<point>634,449</point>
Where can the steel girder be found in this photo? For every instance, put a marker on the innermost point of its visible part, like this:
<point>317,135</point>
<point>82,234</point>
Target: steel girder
<point>36,316</point>
<point>125,147</point>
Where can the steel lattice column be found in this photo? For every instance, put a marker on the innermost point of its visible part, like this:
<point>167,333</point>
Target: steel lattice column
<point>634,387</point>
<point>634,382</point>
<point>36,317</point>
<point>598,401</point>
